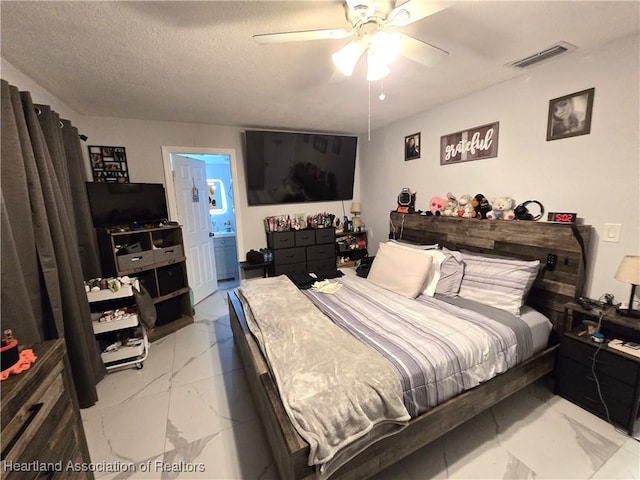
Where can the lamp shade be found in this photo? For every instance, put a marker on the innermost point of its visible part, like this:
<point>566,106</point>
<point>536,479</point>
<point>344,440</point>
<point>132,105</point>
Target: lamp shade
<point>355,208</point>
<point>346,58</point>
<point>629,270</point>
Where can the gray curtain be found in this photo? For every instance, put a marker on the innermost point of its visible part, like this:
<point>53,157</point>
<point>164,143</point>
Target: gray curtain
<point>46,235</point>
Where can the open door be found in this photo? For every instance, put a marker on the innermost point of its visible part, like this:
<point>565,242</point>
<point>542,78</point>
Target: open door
<point>192,199</point>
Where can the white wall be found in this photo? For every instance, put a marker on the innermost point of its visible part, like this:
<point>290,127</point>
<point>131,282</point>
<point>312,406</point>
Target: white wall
<point>595,175</point>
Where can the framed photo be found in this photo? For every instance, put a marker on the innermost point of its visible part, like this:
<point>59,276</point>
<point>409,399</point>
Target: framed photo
<point>570,116</point>
<point>412,146</point>
<point>108,164</point>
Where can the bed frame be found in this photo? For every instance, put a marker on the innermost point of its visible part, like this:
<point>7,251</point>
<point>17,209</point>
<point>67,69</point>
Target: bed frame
<point>526,240</point>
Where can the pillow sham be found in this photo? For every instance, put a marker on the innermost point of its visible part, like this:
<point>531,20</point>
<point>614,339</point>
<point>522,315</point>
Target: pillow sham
<point>497,281</point>
<point>400,270</point>
<point>451,273</point>
<point>433,277</point>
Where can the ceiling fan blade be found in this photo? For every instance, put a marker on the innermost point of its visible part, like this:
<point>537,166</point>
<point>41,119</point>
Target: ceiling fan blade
<point>412,11</point>
<point>333,34</point>
<point>421,52</point>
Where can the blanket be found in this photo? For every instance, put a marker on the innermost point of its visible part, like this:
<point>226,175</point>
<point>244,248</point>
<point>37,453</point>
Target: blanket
<point>340,395</point>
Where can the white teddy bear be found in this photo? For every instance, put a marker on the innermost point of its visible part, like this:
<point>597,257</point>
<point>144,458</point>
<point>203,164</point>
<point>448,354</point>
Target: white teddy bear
<point>465,209</point>
<point>502,209</point>
<point>450,206</point>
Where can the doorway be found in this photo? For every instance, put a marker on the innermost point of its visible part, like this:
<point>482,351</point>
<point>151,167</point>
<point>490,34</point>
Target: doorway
<point>218,196</point>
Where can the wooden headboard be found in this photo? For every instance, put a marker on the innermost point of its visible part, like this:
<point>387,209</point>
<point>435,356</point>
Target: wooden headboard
<point>527,240</point>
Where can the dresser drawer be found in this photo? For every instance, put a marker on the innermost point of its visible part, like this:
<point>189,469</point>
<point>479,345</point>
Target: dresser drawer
<point>278,240</point>
<point>606,363</point>
<point>134,261</point>
<point>325,235</point>
<point>289,255</point>
<point>578,386</point>
<point>305,237</point>
<point>318,252</point>
<point>289,268</point>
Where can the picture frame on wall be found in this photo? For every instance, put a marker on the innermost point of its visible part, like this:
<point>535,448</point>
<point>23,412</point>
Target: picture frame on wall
<point>412,146</point>
<point>570,115</point>
<point>108,164</point>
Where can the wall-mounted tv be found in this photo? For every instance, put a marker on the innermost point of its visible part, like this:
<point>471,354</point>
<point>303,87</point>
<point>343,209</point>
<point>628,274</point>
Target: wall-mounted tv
<point>289,167</point>
<point>126,204</point>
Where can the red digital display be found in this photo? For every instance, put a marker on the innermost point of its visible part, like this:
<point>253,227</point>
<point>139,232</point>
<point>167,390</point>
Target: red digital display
<point>562,217</point>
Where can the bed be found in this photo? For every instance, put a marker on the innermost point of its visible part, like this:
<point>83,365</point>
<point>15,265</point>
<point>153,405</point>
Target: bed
<point>551,289</point>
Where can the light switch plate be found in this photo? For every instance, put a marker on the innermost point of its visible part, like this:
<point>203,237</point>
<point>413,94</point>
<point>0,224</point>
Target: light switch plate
<point>612,232</point>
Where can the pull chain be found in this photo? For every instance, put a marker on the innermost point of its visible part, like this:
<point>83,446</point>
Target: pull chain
<point>369,117</point>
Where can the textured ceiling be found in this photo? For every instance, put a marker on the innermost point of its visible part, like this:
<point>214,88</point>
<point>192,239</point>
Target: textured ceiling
<point>197,61</point>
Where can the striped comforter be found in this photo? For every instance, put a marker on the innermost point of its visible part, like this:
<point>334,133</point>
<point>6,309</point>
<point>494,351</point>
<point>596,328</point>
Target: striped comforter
<point>438,350</point>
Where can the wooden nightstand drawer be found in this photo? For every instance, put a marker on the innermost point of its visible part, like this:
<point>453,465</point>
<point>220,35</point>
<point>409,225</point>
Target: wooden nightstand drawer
<point>606,363</point>
<point>583,385</point>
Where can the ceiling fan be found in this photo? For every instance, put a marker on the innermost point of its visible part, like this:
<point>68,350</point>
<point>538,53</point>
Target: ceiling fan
<point>374,23</point>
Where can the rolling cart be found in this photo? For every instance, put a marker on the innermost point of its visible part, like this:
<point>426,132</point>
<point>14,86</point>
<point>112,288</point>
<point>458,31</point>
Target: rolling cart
<point>120,335</point>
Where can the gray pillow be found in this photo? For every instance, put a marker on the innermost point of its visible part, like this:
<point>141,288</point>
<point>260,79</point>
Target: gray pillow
<point>451,273</point>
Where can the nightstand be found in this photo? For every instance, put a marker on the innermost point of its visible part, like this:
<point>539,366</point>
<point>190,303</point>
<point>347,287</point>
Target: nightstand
<point>617,372</point>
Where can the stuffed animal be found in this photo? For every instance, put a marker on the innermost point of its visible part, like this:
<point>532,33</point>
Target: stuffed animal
<point>502,209</point>
<point>465,209</point>
<point>436,205</point>
<point>450,206</point>
<point>480,207</point>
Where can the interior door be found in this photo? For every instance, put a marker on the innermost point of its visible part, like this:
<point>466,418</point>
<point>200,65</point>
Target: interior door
<point>192,199</point>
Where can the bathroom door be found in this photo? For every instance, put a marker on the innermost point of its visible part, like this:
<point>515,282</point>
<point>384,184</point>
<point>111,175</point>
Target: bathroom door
<point>192,198</point>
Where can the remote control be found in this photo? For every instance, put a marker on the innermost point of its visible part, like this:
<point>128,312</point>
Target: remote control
<point>584,303</point>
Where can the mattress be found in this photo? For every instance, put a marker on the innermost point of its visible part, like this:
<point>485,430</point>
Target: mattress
<point>438,348</point>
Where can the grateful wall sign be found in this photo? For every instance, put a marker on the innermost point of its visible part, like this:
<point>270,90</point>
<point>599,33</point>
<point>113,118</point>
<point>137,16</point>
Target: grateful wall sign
<point>472,144</point>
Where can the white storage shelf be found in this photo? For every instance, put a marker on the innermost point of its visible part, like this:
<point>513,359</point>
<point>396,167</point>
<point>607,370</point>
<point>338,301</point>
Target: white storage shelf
<point>133,354</point>
<point>127,321</point>
<point>102,295</point>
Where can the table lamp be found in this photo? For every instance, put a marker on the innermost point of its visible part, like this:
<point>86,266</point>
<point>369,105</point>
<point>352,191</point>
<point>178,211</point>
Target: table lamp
<point>356,209</point>
<point>629,272</point>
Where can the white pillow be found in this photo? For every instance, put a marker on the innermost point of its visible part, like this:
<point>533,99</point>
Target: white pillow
<point>496,281</point>
<point>400,270</point>
<point>433,277</point>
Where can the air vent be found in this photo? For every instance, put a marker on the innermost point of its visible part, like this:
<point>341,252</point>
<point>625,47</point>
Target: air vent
<point>557,49</point>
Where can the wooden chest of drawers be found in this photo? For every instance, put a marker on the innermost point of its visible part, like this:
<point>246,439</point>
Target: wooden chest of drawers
<point>617,373</point>
<point>42,434</point>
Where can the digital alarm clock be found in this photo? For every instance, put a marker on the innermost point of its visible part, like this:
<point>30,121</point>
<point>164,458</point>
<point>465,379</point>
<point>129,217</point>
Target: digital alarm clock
<point>562,217</point>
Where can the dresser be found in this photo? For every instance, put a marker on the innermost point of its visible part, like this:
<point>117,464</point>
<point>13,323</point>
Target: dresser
<point>41,426</point>
<point>303,251</point>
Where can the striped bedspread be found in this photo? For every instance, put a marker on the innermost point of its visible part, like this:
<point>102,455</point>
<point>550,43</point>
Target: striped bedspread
<point>438,350</point>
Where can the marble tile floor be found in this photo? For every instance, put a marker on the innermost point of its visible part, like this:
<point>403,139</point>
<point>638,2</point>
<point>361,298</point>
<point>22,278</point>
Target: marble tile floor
<point>188,415</point>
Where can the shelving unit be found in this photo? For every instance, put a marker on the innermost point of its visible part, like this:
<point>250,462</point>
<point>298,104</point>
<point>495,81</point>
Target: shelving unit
<point>155,256</point>
<point>126,329</point>
<point>351,246</point>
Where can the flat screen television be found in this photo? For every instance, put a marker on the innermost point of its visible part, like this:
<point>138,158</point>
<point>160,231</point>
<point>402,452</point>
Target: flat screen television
<point>289,167</point>
<point>126,204</point>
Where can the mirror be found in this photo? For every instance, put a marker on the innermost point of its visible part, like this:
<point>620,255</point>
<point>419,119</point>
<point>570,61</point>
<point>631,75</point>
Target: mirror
<point>217,197</point>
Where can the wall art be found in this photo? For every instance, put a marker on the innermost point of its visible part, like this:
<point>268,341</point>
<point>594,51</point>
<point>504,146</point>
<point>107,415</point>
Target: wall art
<point>412,146</point>
<point>472,144</point>
<point>570,116</point>
<point>108,164</point>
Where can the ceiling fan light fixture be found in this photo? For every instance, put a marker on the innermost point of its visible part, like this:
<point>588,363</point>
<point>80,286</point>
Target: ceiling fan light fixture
<point>385,47</point>
<point>346,58</point>
<point>376,67</point>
